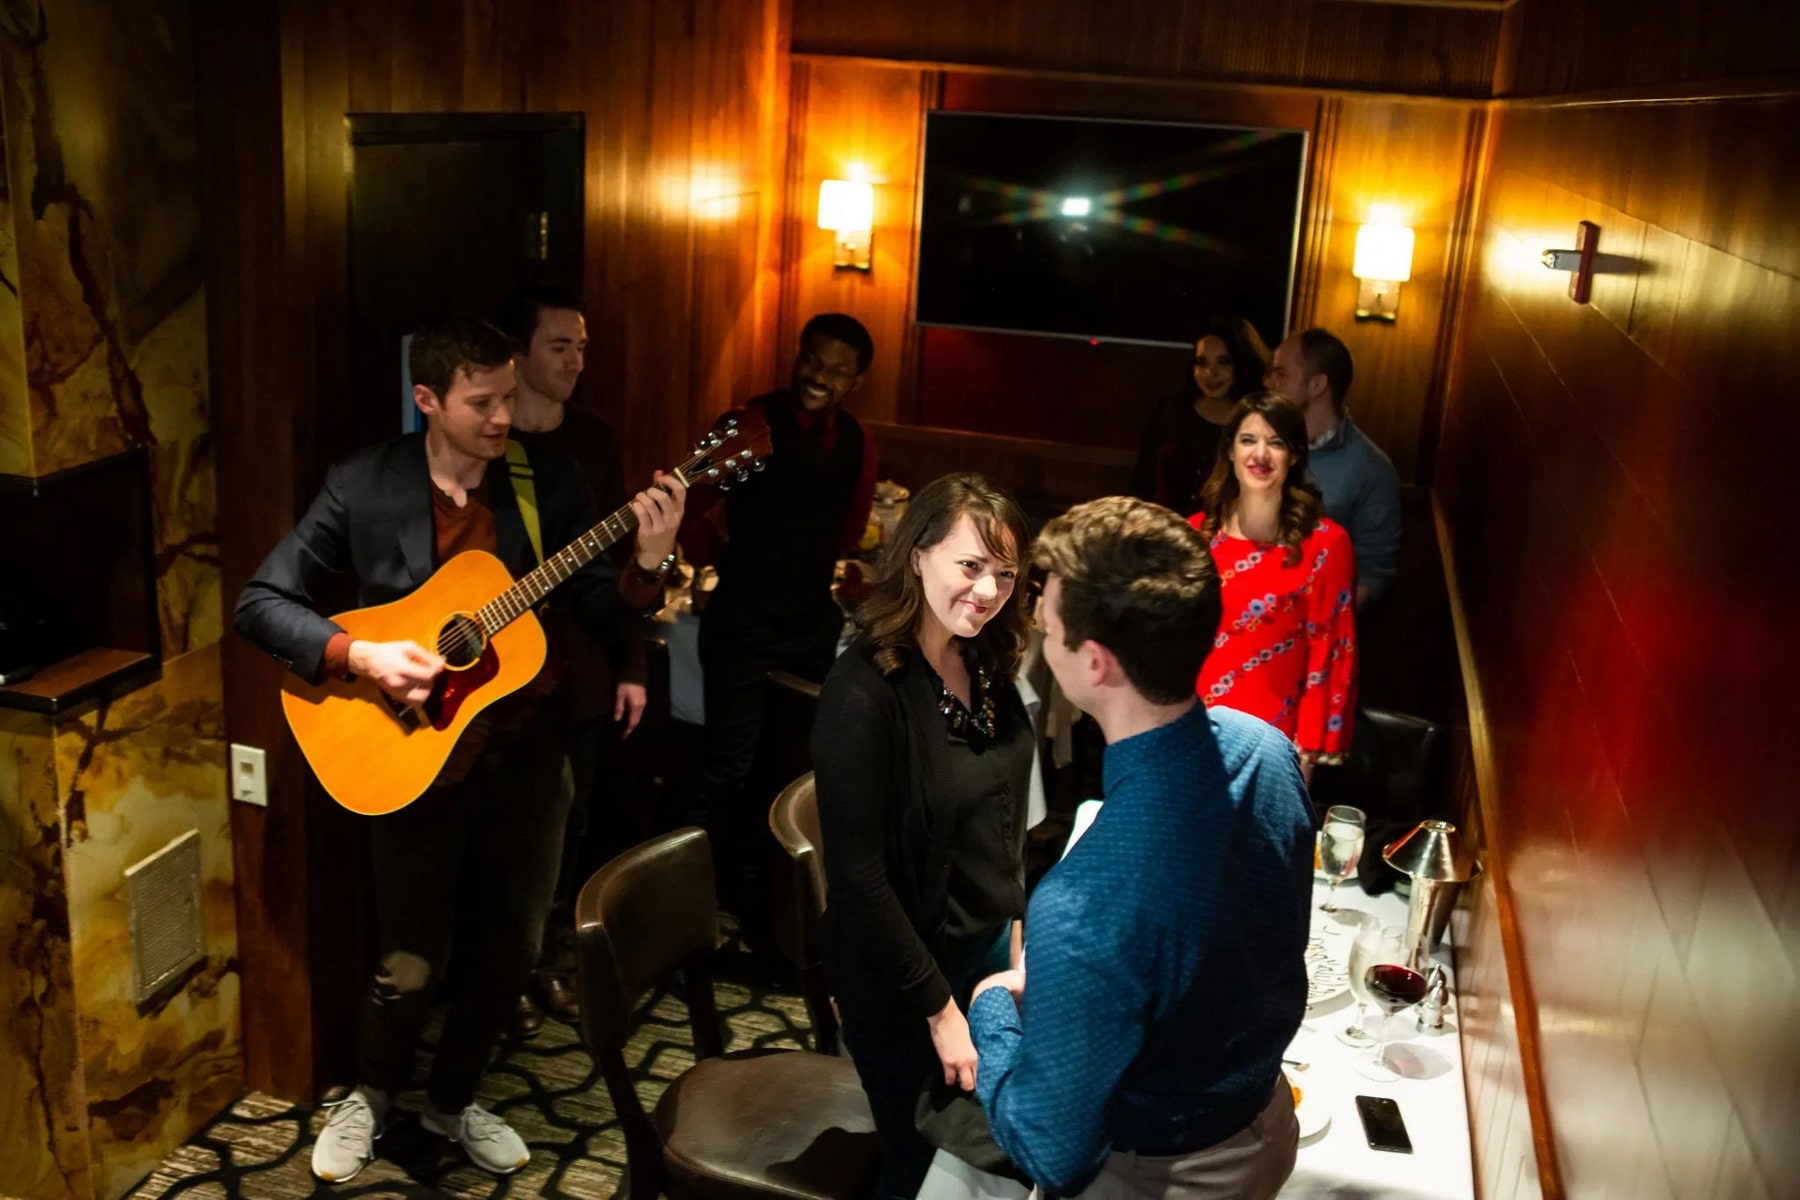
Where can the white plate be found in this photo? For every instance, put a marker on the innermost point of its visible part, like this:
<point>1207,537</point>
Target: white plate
<point>1326,977</point>
<point>1314,1111</point>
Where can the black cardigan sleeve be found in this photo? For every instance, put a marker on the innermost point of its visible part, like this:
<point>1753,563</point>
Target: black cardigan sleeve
<point>861,789</point>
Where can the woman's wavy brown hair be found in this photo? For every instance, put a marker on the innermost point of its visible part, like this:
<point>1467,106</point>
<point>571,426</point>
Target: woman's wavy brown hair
<point>889,619</point>
<point>1301,506</point>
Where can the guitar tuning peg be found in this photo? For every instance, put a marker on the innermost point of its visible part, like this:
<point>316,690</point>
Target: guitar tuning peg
<point>742,474</point>
<point>758,465</point>
<point>725,484</point>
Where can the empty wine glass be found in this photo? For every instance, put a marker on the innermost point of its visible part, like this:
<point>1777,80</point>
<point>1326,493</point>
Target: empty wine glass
<point>1374,943</point>
<point>1395,980</point>
<point>1340,848</point>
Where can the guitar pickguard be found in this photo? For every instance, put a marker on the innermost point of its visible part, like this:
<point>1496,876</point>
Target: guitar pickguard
<point>454,687</point>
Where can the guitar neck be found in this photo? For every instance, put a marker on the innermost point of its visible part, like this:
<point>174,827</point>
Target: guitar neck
<point>505,608</point>
<point>704,464</point>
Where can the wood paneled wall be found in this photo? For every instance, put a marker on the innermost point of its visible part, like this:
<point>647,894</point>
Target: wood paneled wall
<point>1553,47</point>
<point>863,122</point>
<point>1616,492</point>
<point>685,108</point>
<point>1380,47</point>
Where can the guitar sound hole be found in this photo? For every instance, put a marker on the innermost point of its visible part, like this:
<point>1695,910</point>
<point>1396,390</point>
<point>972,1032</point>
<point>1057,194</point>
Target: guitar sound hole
<point>461,642</point>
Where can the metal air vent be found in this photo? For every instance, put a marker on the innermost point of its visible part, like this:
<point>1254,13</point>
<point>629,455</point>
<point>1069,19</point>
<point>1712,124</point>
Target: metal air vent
<point>168,934</point>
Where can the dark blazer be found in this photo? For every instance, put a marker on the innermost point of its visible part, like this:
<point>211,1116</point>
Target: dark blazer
<point>373,520</point>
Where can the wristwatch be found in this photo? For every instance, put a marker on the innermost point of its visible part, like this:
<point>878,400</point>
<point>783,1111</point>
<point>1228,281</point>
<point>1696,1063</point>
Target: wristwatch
<point>655,574</point>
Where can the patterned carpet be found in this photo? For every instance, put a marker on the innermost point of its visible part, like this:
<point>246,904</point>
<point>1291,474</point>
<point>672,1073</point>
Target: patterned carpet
<point>547,1088</point>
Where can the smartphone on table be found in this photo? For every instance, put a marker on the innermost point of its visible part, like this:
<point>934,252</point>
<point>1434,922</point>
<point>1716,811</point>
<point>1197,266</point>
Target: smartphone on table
<point>1382,1124</point>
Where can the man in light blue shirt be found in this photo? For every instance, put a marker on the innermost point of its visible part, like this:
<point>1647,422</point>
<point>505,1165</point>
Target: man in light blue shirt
<point>1138,1054</point>
<point>1358,481</point>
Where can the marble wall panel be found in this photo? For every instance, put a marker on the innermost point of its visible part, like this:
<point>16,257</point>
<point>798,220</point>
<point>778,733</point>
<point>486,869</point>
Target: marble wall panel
<point>103,349</point>
<point>41,1143</point>
<point>101,143</point>
<point>134,776</point>
<point>15,397</point>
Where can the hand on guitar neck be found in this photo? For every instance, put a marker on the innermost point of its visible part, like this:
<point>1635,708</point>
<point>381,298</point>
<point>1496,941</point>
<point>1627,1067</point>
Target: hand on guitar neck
<point>658,508</point>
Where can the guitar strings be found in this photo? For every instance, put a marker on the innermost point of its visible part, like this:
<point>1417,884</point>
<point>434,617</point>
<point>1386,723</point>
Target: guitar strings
<point>625,517</point>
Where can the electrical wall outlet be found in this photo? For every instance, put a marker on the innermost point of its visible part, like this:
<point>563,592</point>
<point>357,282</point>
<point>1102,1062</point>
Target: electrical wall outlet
<point>249,775</point>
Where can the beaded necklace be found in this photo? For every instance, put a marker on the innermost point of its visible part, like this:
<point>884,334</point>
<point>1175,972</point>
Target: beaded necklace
<point>962,722</point>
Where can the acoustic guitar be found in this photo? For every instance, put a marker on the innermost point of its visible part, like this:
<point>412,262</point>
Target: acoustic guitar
<point>375,754</point>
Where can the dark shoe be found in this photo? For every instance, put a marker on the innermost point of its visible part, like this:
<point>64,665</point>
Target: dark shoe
<point>556,992</point>
<point>526,1019</point>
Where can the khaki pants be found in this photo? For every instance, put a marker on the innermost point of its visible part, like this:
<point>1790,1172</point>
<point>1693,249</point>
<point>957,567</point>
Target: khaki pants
<point>1252,1164</point>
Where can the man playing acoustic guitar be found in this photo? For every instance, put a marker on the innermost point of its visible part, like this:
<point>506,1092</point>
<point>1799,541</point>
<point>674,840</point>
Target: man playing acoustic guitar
<point>388,516</point>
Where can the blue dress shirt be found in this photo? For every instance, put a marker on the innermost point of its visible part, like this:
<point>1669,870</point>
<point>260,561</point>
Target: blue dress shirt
<point>1165,957</point>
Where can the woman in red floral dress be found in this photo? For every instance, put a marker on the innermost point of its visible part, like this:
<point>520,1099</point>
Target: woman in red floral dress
<point>1286,648</point>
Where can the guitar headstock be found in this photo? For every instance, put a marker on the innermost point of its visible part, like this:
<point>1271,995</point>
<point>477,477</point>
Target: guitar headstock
<point>737,444</point>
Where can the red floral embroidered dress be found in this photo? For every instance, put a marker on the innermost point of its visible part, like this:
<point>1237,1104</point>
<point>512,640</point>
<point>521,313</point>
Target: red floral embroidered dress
<point>1286,649</point>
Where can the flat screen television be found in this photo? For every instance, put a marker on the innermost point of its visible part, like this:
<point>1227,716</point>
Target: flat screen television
<point>1128,231</point>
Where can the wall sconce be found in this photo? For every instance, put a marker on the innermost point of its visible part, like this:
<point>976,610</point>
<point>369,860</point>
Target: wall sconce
<point>847,208</point>
<point>1579,261</point>
<point>1383,262</point>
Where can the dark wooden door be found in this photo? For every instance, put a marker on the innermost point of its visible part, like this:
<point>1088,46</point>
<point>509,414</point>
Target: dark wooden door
<point>446,213</point>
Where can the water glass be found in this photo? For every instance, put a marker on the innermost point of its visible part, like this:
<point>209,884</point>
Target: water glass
<point>1340,848</point>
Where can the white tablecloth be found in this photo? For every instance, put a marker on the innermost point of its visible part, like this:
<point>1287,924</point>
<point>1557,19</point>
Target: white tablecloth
<point>1336,1161</point>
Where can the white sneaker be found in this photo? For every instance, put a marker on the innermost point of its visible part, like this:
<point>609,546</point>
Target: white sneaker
<point>347,1143</point>
<point>489,1142</point>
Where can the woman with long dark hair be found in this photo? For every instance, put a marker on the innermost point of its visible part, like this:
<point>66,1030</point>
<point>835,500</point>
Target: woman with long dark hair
<point>1182,440</point>
<point>1286,647</point>
<point>922,753</point>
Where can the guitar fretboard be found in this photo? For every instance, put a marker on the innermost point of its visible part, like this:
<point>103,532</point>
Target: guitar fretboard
<point>497,613</point>
<point>555,570</point>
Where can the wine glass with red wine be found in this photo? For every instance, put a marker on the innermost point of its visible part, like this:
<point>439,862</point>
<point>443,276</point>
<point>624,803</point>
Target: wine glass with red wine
<point>1393,983</point>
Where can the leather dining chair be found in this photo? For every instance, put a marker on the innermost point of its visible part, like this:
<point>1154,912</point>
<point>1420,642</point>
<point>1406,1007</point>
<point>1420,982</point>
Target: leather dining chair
<point>757,1123</point>
<point>800,903</point>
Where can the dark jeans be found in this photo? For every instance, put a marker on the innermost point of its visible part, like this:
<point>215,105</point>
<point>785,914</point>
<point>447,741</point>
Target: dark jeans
<point>896,1063</point>
<point>737,658</point>
<point>590,745</point>
<point>498,836</point>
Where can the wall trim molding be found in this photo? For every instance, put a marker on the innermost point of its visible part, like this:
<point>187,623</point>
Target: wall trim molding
<point>931,435</point>
<point>1711,91</point>
<point>1487,789</point>
<point>1308,90</point>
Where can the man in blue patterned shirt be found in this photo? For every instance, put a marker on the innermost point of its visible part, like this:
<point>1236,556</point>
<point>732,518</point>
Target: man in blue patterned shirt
<point>1165,953</point>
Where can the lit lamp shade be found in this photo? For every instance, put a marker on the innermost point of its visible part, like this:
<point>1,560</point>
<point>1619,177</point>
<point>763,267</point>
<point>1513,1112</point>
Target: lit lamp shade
<point>847,208</point>
<point>1432,850</point>
<point>1384,252</point>
<point>845,205</point>
<point>1383,262</point>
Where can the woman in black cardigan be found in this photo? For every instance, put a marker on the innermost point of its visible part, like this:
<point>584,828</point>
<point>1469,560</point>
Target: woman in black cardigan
<point>922,753</point>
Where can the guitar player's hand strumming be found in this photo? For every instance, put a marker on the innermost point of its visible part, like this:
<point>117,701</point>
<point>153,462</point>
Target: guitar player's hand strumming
<point>404,670</point>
